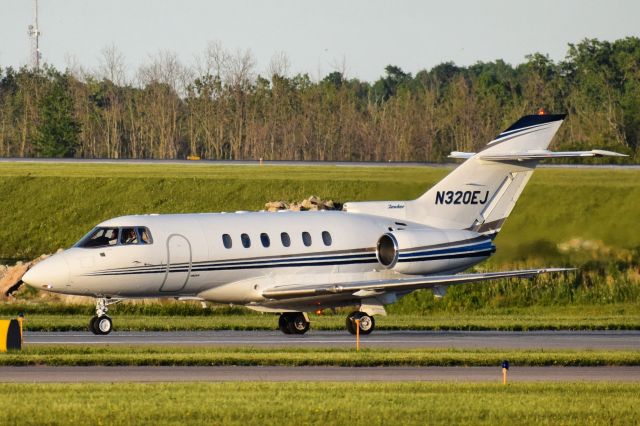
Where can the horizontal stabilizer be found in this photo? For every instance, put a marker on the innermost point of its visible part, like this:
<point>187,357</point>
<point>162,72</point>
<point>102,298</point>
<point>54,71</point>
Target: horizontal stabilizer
<point>536,155</point>
<point>359,288</point>
<point>543,155</point>
<point>461,155</point>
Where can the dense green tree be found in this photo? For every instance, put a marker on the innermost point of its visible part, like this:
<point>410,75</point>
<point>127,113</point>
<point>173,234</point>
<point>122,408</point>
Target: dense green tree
<point>221,109</point>
<point>58,133</point>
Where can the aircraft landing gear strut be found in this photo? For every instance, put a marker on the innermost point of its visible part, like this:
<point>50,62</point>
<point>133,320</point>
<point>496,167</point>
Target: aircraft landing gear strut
<point>366,324</point>
<point>101,324</point>
<point>293,323</point>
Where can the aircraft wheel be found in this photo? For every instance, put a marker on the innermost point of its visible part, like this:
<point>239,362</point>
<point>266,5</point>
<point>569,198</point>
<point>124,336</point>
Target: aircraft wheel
<point>102,325</point>
<point>92,325</point>
<point>367,323</point>
<point>283,324</point>
<point>298,324</point>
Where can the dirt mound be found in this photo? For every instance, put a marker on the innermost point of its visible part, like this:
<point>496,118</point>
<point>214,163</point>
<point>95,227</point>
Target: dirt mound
<point>312,203</point>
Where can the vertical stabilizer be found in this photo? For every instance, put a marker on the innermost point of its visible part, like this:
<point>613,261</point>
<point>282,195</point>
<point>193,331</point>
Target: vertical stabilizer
<point>480,193</point>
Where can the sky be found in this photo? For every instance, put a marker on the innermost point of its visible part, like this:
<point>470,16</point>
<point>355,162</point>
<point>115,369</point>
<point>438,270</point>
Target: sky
<point>360,37</point>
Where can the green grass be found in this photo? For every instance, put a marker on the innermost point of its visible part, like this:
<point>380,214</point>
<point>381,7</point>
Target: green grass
<point>160,355</point>
<point>320,403</point>
<point>574,317</point>
<point>47,206</point>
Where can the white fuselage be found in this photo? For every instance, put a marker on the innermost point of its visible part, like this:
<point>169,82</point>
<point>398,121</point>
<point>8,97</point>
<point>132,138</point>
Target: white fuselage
<point>187,258</point>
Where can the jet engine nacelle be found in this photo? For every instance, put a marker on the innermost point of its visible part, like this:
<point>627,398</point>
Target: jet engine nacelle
<point>432,250</point>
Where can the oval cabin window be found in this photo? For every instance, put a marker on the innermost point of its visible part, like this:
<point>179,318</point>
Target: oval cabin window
<point>226,240</point>
<point>264,238</point>
<point>306,238</point>
<point>246,241</point>
<point>326,238</point>
<point>286,241</point>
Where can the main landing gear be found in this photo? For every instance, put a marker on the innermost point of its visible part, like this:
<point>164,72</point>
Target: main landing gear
<point>101,324</point>
<point>293,323</point>
<point>366,322</point>
<point>298,322</point>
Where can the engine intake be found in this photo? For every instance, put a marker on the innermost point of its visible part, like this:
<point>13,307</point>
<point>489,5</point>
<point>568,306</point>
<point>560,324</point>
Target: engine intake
<point>387,251</point>
<point>426,251</point>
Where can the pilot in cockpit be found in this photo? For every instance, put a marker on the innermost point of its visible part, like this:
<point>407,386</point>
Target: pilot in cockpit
<point>112,240</point>
<point>129,236</point>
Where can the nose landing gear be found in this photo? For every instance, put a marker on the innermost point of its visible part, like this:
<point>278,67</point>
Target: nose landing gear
<point>101,324</point>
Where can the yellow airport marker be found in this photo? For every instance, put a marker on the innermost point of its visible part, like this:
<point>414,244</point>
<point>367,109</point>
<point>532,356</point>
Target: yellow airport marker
<point>505,368</point>
<point>357,335</point>
<point>10,335</point>
<point>20,321</point>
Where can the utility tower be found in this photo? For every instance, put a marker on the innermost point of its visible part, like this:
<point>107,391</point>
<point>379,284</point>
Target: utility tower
<point>34,35</point>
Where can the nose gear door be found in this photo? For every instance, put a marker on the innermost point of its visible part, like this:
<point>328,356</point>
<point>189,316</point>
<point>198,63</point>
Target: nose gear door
<point>178,263</point>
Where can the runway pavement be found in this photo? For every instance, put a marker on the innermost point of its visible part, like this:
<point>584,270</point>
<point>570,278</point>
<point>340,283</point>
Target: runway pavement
<point>338,339</point>
<point>102,374</point>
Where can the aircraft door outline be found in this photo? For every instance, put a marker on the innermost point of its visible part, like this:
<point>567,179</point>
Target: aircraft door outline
<point>179,252</point>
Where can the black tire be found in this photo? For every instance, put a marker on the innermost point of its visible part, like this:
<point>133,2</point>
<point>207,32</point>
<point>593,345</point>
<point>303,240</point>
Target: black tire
<point>298,324</point>
<point>283,324</point>
<point>103,325</point>
<point>92,325</point>
<point>367,323</point>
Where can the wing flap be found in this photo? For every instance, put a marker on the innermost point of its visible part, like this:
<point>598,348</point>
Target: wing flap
<point>363,288</point>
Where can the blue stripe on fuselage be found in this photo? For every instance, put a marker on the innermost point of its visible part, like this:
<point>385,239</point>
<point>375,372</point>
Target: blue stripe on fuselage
<point>475,250</point>
<point>485,245</point>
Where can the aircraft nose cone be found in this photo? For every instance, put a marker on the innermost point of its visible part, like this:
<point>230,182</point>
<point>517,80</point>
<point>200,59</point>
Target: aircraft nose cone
<point>50,274</point>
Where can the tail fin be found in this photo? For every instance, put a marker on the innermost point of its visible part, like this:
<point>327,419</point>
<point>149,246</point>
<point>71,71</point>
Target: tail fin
<point>481,192</point>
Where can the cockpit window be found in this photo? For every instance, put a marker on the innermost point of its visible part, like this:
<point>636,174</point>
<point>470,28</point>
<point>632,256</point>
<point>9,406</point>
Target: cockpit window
<point>106,237</point>
<point>145,236</point>
<point>100,237</point>
<point>128,236</point>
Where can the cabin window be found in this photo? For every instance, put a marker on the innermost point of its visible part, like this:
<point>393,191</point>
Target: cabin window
<point>286,241</point>
<point>226,241</point>
<point>326,238</point>
<point>246,241</point>
<point>100,237</point>
<point>264,238</point>
<point>306,238</point>
<point>128,236</point>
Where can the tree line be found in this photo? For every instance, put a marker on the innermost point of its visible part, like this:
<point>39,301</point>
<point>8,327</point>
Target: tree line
<point>221,108</point>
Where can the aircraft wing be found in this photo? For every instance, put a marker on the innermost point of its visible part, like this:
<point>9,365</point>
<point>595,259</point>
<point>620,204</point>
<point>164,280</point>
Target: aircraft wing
<point>372,287</point>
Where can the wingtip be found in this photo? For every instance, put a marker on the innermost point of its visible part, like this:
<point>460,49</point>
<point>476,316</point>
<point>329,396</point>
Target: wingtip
<point>553,270</point>
<point>604,153</point>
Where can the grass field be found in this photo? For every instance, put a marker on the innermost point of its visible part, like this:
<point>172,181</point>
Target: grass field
<point>47,206</point>
<point>573,317</point>
<point>160,355</point>
<point>320,403</point>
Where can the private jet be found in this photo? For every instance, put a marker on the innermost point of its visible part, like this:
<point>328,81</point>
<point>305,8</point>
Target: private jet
<point>368,255</point>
